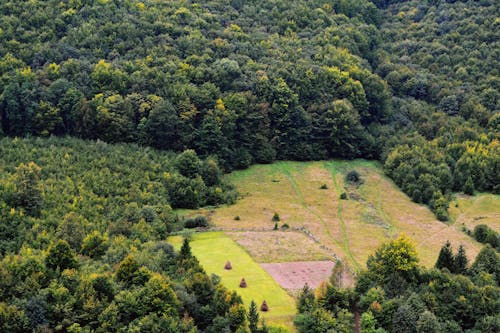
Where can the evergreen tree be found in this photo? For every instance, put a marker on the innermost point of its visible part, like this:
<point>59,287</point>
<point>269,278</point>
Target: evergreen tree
<point>253,317</point>
<point>445,258</point>
<point>185,252</point>
<point>469,186</point>
<point>460,261</point>
<point>305,301</point>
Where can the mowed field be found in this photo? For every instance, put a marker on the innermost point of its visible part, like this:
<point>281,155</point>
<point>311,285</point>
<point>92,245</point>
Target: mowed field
<point>376,211</point>
<point>213,249</point>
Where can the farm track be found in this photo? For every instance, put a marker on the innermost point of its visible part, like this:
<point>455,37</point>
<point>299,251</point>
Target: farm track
<point>333,171</point>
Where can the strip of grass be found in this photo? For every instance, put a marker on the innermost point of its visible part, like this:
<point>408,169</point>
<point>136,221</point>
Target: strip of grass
<point>213,249</point>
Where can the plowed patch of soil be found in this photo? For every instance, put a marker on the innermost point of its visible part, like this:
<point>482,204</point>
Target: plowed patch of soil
<point>294,275</point>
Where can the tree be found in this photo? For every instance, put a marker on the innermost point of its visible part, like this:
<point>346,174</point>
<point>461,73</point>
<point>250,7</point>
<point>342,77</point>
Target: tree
<point>27,191</point>
<point>397,256</point>
<point>428,323</point>
<point>368,322</point>
<point>445,258</point>
<point>61,256</point>
<point>185,252</point>
<point>253,317</point>
<point>461,261</point>
<point>188,164</point>
<point>95,244</point>
<point>405,319</point>
<point>487,261</point>
<point>162,127</point>
<point>72,230</point>
<point>469,186</point>
<point>318,320</point>
<point>305,300</point>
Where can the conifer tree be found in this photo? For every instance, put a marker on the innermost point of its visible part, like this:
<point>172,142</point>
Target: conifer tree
<point>253,317</point>
<point>445,258</point>
<point>461,261</point>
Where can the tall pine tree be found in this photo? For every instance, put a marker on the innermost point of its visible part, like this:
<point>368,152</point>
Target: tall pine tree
<point>461,261</point>
<point>445,258</point>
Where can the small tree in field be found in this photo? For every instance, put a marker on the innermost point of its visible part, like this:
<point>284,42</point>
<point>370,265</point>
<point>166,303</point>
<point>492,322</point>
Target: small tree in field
<point>253,317</point>
<point>276,217</point>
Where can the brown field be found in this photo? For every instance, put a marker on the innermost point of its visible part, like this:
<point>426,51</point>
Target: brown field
<point>294,275</point>
<point>352,229</point>
<point>279,246</point>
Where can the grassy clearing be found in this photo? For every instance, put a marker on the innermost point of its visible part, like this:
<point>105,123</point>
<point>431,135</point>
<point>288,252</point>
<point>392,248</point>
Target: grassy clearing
<point>470,211</point>
<point>376,211</point>
<point>213,249</point>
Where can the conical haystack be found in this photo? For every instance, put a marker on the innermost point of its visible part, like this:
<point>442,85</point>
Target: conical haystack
<point>264,307</point>
<point>243,283</point>
<point>228,265</point>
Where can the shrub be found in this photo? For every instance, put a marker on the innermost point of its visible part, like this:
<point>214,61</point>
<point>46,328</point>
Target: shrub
<point>285,226</point>
<point>276,217</point>
<point>353,177</point>
<point>343,196</point>
<point>237,218</point>
<point>323,187</point>
<point>198,221</point>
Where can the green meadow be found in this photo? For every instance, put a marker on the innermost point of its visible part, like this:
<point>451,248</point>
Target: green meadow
<point>213,249</point>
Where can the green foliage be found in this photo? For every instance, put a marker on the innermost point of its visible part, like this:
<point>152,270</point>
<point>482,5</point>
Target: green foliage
<point>445,258</point>
<point>27,193</point>
<point>276,217</point>
<point>95,244</point>
<point>199,221</point>
<point>174,81</point>
<point>353,177</point>
<point>484,234</point>
<point>61,257</point>
<point>397,256</point>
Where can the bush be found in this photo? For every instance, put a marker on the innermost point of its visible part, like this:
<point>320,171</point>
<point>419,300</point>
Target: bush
<point>285,226</point>
<point>353,177</point>
<point>199,221</point>
<point>343,196</point>
<point>237,218</point>
<point>276,217</point>
<point>323,187</point>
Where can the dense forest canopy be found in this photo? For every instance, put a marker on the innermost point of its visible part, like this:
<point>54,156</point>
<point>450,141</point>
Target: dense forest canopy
<point>168,95</point>
<point>255,81</point>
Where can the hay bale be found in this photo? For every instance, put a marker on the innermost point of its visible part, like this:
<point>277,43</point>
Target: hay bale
<point>264,307</point>
<point>243,283</point>
<point>228,266</point>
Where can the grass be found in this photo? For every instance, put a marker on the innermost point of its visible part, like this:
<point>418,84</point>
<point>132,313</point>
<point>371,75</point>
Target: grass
<point>279,246</point>
<point>470,211</point>
<point>353,229</point>
<point>213,249</point>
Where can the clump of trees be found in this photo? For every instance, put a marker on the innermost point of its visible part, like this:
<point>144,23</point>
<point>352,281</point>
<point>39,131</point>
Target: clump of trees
<point>395,294</point>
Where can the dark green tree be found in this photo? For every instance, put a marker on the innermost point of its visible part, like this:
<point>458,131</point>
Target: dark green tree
<point>253,318</point>
<point>61,256</point>
<point>461,261</point>
<point>445,258</point>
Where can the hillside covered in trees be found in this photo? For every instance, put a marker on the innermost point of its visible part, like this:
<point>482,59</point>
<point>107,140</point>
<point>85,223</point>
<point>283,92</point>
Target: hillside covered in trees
<point>415,84</point>
<point>166,96</point>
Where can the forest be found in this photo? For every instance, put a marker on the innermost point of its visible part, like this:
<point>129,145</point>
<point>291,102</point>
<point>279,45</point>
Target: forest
<point>116,114</point>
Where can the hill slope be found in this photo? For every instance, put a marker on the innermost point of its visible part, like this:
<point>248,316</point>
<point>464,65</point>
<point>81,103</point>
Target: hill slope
<point>375,212</point>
